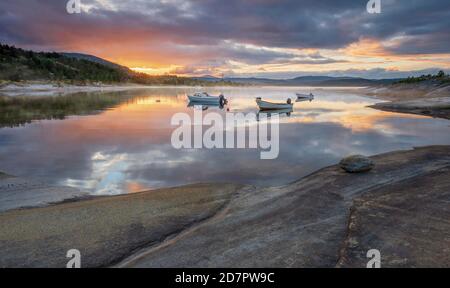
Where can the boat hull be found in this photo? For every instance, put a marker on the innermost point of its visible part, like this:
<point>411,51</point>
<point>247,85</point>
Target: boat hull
<point>304,96</point>
<point>264,105</point>
<point>196,99</point>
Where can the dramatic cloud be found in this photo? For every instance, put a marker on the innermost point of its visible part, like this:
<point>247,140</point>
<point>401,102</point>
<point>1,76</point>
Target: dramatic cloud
<point>186,34</point>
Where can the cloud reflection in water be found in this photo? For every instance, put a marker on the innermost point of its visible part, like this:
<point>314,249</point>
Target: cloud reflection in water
<point>127,148</point>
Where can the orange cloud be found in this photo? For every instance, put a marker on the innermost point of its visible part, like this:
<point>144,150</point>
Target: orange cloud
<point>366,47</point>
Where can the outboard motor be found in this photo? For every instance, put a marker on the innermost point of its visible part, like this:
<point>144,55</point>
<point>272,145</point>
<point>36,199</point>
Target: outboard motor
<point>222,100</point>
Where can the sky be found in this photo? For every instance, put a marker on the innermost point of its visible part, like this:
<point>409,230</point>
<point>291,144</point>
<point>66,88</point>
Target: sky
<point>241,38</point>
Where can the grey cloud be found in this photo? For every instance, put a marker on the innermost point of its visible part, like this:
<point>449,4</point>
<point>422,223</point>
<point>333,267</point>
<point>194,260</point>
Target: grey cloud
<point>289,23</point>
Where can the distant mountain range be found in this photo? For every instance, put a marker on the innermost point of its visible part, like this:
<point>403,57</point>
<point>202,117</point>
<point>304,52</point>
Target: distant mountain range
<point>303,81</point>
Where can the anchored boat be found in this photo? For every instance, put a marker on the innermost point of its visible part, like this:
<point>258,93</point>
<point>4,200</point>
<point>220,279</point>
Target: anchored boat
<point>265,105</point>
<point>305,96</point>
<point>204,97</point>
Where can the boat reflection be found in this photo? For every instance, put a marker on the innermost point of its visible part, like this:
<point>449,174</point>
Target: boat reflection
<point>304,99</point>
<point>205,106</point>
<point>279,112</point>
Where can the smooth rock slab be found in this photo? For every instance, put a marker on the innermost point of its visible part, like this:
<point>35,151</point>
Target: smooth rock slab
<point>18,192</point>
<point>357,164</point>
<point>327,219</point>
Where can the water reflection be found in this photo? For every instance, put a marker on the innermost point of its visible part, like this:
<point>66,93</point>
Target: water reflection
<point>126,148</point>
<point>278,112</point>
<point>205,107</point>
<point>20,110</point>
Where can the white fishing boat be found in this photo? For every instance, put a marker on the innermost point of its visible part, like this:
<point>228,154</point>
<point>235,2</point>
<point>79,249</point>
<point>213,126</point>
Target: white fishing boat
<point>305,96</point>
<point>204,97</point>
<point>265,105</point>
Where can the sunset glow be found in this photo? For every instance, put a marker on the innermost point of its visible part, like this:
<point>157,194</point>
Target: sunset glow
<point>192,38</point>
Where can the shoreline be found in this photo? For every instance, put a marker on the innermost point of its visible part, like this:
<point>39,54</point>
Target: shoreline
<point>262,227</point>
<point>326,219</point>
<point>49,88</point>
<point>20,193</point>
<point>426,100</point>
<point>433,107</point>
<point>54,89</point>
<point>419,99</point>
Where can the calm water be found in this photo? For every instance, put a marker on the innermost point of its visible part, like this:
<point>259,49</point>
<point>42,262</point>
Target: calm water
<point>120,142</point>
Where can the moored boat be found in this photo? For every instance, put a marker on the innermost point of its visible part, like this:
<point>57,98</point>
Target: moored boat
<point>265,105</point>
<point>305,96</point>
<point>204,97</point>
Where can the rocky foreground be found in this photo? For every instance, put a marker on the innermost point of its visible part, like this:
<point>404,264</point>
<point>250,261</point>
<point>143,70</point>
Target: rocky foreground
<point>328,219</point>
<point>18,192</point>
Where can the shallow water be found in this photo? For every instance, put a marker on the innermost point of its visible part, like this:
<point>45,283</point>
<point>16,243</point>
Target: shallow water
<point>122,144</point>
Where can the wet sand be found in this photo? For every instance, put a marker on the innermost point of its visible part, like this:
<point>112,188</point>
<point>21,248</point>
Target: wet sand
<point>327,219</point>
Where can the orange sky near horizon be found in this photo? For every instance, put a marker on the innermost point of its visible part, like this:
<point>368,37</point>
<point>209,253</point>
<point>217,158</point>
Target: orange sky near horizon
<point>234,38</point>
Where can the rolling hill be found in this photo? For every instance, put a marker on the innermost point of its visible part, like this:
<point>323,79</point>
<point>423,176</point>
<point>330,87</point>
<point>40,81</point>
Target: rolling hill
<point>17,64</point>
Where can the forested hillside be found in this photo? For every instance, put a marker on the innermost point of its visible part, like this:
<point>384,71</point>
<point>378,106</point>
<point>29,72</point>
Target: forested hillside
<point>17,64</point>
<point>439,78</point>
<point>20,65</point>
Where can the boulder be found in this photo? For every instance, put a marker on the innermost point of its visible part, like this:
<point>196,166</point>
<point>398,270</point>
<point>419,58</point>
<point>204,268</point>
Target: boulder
<point>357,164</point>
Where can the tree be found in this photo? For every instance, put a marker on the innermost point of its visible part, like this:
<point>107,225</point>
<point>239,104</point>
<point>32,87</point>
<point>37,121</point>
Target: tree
<point>16,77</point>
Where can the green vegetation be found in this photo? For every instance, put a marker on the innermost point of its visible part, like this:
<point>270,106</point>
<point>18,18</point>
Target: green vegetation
<point>16,111</point>
<point>21,65</point>
<point>439,78</point>
<point>17,64</point>
<point>145,79</point>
